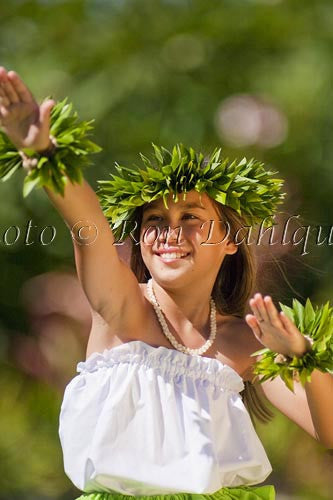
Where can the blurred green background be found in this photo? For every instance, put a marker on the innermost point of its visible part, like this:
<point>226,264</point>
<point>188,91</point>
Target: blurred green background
<point>252,76</point>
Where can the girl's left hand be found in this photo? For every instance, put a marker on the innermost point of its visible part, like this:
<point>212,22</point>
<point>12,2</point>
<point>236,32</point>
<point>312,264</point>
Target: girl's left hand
<point>274,329</point>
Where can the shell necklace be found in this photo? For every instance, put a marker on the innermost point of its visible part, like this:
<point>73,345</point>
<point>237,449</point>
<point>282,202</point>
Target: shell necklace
<point>168,334</point>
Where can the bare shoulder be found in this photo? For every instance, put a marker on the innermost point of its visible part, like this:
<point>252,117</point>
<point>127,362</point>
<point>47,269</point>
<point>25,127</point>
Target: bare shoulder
<point>237,338</point>
<point>110,331</point>
<point>237,328</point>
<point>245,335</point>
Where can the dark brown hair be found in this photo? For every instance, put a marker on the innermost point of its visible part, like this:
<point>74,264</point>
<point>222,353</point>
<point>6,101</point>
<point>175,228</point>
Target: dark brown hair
<point>234,285</point>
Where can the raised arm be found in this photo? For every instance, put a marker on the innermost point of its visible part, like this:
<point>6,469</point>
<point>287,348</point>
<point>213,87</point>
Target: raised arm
<point>310,407</point>
<point>107,281</point>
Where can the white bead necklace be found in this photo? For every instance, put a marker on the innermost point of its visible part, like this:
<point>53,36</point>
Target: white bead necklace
<point>168,334</point>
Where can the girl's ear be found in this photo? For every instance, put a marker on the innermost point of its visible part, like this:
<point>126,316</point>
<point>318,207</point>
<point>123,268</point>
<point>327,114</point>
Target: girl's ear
<point>231,247</point>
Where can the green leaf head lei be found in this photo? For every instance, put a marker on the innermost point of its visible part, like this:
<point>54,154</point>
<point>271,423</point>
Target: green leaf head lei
<point>246,186</point>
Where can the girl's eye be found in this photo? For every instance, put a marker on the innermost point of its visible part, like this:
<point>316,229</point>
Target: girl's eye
<point>151,217</point>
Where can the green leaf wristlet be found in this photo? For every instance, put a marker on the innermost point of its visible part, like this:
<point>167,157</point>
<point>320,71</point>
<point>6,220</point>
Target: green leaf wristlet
<point>70,136</point>
<point>317,325</point>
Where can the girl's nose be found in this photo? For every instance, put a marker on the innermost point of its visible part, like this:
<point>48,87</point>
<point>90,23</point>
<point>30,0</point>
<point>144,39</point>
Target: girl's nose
<point>171,234</point>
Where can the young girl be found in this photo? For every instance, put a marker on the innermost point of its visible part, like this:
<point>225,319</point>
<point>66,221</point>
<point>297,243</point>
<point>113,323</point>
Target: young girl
<point>156,408</point>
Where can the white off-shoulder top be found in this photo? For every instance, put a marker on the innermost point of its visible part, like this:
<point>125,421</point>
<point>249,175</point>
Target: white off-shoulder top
<point>144,420</point>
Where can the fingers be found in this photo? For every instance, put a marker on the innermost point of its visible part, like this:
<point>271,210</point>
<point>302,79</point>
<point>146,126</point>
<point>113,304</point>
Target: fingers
<point>4,101</point>
<point>11,88</point>
<point>45,111</point>
<point>20,88</point>
<point>272,312</point>
<point>7,88</point>
<point>259,309</point>
<point>265,310</point>
<point>253,324</point>
<point>288,324</point>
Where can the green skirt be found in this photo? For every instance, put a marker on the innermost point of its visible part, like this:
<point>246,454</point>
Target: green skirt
<point>239,493</point>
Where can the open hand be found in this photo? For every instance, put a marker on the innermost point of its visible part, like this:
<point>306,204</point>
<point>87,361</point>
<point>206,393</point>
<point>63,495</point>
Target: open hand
<point>274,329</point>
<point>25,122</point>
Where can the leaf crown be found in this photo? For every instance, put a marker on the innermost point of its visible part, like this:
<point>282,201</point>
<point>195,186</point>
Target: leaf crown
<point>246,186</point>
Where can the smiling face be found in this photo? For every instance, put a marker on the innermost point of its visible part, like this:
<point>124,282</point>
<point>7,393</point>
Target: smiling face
<point>180,245</point>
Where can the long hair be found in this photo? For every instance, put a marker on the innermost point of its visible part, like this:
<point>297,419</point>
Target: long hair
<point>234,285</point>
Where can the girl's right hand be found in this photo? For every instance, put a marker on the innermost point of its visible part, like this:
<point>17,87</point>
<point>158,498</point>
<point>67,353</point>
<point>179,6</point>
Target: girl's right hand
<point>25,122</point>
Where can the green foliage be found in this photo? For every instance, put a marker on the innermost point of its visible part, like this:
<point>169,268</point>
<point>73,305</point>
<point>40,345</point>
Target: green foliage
<point>29,418</point>
<point>242,185</point>
<point>317,323</point>
<point>127,65</point>
<point>70,156</point>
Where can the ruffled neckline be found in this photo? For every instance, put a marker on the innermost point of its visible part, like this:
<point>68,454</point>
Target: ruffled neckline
<point>168,361</point>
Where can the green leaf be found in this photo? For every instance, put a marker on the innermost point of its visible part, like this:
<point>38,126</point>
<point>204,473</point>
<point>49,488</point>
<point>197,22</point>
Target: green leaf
<point>10,172</point>
<point>299,314</point>
<point>309,314</point>
<point>29,184</point>
<point>288,311</point>
<point>261,351</point>
<point>158,153</point>
<point>73,146</point>
<point>288,379</point>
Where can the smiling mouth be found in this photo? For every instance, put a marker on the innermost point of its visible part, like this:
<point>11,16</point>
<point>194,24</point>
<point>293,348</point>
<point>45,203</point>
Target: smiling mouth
<point>172,256</point>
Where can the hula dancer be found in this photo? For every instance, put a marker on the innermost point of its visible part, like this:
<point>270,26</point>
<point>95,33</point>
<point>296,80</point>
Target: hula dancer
<point>162,405</point>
